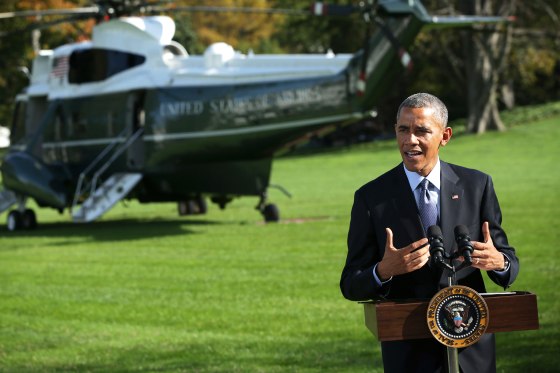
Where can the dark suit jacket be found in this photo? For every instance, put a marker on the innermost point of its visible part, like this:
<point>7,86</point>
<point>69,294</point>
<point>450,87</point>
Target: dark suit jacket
<point>467,197</point>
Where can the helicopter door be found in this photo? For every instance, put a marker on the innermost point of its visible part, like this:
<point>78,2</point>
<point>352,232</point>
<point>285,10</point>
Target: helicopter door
<point>35,111</point>
<point>17,131</point>
<point>136,119</point>
<point>60,135</point>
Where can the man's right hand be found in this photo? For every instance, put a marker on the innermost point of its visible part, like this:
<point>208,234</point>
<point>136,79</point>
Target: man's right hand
<point>398,261</point>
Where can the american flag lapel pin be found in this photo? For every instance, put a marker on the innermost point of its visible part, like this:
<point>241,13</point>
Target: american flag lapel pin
<point>454,196</point>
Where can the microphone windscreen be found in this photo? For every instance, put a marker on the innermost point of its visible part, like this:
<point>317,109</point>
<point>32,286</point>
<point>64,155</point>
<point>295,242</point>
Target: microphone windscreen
<point>461,230</point>
<point>434,231</point>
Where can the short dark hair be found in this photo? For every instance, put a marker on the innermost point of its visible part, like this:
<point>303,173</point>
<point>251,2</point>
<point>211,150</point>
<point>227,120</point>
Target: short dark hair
<point>422,100</point>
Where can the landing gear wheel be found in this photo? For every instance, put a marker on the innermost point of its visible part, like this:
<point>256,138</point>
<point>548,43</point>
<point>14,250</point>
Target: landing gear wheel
<point>271,213</point>
<point>202,205</point>
<point>186,207</point>
<point>14,221</point>
<point>192,206</point>
<point>29,219</point>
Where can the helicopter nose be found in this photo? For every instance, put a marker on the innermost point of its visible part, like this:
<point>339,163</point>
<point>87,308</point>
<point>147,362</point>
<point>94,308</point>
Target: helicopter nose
<point>25,175</point>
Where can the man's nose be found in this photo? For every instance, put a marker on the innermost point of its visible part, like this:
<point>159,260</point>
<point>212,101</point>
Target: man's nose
<point>411,139</point>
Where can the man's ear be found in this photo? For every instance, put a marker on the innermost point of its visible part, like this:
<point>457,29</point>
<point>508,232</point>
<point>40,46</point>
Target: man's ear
<point>447,133</point>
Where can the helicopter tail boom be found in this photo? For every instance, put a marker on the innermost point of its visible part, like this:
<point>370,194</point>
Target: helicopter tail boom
<point>398,23</point>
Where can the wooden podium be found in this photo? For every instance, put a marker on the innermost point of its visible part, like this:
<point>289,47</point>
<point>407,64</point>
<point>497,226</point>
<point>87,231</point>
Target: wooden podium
<point>400,320</point>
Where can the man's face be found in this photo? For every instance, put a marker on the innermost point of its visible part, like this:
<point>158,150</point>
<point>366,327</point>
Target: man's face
<point>419,137</point>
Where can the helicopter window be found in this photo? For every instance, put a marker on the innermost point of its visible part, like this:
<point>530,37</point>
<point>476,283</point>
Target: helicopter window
<point>93,65</point>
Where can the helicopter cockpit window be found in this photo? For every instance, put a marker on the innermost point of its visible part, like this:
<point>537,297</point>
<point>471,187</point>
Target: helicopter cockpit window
<point>93,65</point>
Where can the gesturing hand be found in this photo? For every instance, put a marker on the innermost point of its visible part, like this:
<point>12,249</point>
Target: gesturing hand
<point>398,261</point>
<point>485,256</point>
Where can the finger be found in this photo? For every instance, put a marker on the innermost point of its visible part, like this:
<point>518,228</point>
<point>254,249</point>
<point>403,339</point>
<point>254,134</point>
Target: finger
<point>421,244</point>
<point>419,262</point>
<point>486,232</point>
<point>477,263</point>
<point>418,258</point>
<point>389,241</point>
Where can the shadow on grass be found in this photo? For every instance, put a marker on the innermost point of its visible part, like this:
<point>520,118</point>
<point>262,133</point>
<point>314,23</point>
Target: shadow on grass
<point>317,353</point>
<point>112,230</point>
<point>330,352</point>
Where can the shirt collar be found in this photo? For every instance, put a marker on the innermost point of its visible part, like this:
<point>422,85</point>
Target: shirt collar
<point>433,177</point>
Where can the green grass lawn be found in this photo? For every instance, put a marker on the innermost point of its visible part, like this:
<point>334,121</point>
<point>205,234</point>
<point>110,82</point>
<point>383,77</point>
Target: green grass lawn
<point>145,290</point>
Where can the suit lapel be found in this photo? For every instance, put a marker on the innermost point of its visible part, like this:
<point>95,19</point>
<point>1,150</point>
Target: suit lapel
<point>451,198</point>
<point>405,204</point>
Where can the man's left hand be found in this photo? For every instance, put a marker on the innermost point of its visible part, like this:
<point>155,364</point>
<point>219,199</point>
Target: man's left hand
<point>485,256</point>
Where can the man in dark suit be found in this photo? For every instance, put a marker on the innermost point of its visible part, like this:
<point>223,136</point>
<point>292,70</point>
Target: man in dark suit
<point>387,252</point>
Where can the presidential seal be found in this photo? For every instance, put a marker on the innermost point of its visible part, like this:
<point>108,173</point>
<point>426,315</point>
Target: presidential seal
<point>457,316</point>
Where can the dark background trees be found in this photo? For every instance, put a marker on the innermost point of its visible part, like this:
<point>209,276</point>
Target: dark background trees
<point>19,44</point>
<point>491,68</point>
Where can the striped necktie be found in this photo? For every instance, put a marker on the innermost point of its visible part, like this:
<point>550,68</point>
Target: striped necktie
<point>427,206</point>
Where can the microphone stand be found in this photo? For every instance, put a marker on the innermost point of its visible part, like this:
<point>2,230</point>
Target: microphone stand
<point>439,259</point>
<point>452,352</point>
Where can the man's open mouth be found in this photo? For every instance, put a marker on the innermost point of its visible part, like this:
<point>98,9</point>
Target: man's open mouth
<point>412,154</point>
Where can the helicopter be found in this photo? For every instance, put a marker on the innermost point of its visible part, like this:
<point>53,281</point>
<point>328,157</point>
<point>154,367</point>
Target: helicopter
<point>130,114</point>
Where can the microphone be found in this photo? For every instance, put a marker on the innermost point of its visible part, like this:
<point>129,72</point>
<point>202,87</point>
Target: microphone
<point>464,243</point>
<point>435,239</point>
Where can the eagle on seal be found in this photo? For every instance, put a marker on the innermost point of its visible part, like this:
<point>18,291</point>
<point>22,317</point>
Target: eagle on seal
<point>458,317</point>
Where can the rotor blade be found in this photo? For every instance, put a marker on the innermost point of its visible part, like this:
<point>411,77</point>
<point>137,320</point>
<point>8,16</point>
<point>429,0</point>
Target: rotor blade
<point>322,9</point>
<point>225,9</point>
<point>45,24</point>
<point>317,8</point>
<point>50,12</point>
<point>462,21</point>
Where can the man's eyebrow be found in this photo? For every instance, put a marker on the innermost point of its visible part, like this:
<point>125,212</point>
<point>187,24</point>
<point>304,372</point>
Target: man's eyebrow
<point>423,128</point>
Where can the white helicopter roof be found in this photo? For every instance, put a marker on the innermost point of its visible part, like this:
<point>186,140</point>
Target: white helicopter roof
<point>165,63</point>
<point>134,33</point>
